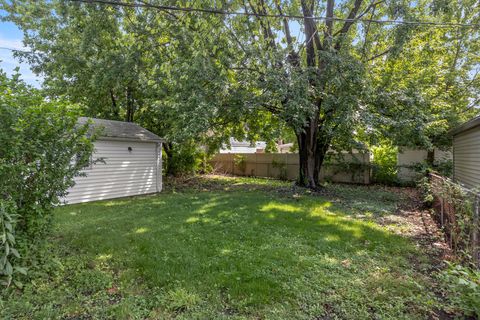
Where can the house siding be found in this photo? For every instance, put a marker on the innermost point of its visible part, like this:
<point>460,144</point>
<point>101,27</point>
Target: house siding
<point>466,158</point>
<point>124,173</point>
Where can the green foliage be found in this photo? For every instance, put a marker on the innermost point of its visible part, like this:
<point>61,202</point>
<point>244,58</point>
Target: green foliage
<point>462,285</point>
<point>282,169</point>
<point>235,248</point>
<point>426,190</point>
<point>209,77</point>
<point>385,164</point>
<point>458,215</point>
<point>185,158</point>
<point>240,162</point>
<point>442,167</point>
<point>38,140</point>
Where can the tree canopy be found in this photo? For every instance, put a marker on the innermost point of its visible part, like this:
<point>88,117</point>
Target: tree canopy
<point>335,74</point>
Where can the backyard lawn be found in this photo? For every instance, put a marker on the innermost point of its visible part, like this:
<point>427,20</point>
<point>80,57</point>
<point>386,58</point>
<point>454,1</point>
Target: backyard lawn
<point>221,248</point>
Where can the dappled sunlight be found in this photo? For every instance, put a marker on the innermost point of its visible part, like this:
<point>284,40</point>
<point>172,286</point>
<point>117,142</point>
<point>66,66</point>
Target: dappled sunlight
<point>104,257</point>
<point>141,230</point>
<point>321,209</point>
<point>207,207</point>
<point>201,220</point>
<point>225,252</point>
<point>238,248</point>
<point>280,207</point>
<point>332,238</point>
<point>72,213</point>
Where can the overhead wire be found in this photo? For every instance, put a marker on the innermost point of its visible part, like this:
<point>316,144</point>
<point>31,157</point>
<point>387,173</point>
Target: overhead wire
<point>270,15</point>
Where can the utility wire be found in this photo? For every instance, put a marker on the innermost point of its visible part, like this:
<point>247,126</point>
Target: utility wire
<point>267,15</point>
<point>15,50</point>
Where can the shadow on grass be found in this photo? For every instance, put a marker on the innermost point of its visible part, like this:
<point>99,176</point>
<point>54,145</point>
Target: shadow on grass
<point>248,251</point>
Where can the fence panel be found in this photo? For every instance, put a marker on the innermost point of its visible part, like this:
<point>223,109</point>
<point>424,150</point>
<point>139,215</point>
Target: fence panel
<point>286,166</point>
<point>457,210</point>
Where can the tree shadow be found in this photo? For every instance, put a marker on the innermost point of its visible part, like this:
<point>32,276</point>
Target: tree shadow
<point>247,250</point>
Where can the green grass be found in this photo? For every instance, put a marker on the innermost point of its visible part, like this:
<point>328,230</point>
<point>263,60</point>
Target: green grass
<point>229,248</point>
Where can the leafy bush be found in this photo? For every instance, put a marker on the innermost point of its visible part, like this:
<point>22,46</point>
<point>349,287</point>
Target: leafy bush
<point>442,167</point>
<point>282,169</point>
<point>385,164</point>
<point>462,285</point>
<point>41,151</point>
<point>185,158</point>
<point>240,162</point>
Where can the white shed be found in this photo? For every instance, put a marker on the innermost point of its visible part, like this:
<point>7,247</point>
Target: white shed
<point>127,161</point>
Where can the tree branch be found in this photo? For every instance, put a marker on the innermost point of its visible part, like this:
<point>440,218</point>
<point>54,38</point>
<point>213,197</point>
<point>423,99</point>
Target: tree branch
<point>378,55</point>
<point>350,20</point>
<point>293,57</point>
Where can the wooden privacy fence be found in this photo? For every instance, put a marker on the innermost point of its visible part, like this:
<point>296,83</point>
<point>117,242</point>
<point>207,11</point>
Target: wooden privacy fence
<point>457,210</point>
<point>355,168</point>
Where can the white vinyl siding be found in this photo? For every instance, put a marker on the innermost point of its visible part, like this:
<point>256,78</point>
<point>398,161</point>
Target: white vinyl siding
<point>124,173</point>
<point>466,150</point>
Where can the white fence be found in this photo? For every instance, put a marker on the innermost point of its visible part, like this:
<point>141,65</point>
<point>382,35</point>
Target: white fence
<point>408,158</point>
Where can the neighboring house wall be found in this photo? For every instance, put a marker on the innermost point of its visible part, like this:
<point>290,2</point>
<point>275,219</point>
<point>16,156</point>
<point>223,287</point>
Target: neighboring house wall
<point>124,173</point>
<point>466,161</point>
<point>286,166</point>
<point>243,147</point>
<point>407,158</point>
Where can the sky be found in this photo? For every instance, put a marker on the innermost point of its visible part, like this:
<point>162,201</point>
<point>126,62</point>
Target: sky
<point>11,37</point>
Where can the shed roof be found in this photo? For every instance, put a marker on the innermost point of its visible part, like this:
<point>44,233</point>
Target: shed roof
<point>466,126</point>
<point>120,130</point>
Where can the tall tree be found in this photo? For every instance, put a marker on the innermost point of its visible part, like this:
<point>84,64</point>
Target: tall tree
<point>331,72</point>
<point>123,63</point>
<point>334,79</point>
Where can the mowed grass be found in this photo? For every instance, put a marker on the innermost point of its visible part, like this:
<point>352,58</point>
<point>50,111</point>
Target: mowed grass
<point>229,252</point>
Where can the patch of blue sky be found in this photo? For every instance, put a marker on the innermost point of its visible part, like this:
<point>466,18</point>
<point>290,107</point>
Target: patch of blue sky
<point>11,39</point>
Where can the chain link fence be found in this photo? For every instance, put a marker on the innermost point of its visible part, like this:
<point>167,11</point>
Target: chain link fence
<point>457,210</point>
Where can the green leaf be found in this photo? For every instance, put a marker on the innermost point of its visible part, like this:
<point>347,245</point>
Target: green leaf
<point>10,237</point>
<point>18,284</point>
<point>21,270</point>
<point>15,252</point>
<point>8,269</point>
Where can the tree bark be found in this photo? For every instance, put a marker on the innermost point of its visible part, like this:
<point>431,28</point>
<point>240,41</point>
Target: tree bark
<point>130,105</point>
<point>312,149</point>
<point>430,156</point>
<point>168,148</point>
<point>115,112</point>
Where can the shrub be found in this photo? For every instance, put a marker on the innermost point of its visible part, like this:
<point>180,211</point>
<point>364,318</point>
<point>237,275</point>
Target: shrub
<point>282,169</point>
<point>41,151</point>
<point>462,286</point>
<point>385,164</point>
<point>185,158</point>
<point>240,162</point>
<point>442,167</point>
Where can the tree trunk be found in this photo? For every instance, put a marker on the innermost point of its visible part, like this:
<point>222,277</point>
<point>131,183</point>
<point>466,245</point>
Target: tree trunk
<point>312,148</point>
<point>430,156</point>
<point>115,111</point>
<point>168,148</point>
<point>130,105</point>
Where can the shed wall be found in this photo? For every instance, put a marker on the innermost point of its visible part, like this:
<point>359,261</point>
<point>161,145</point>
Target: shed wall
<point>466,157</point>
<point>124,173</point>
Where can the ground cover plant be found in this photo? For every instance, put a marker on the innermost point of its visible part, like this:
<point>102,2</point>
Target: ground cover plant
<point>236,248</point>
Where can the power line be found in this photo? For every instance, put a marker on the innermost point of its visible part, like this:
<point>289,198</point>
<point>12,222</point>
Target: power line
<point>16,50</point>
<point>267,15</point>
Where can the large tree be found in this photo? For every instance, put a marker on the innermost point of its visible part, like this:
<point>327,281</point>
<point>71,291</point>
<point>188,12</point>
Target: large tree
<point>122,63</point>
<point>340,78</point>
<point>333,73</point>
